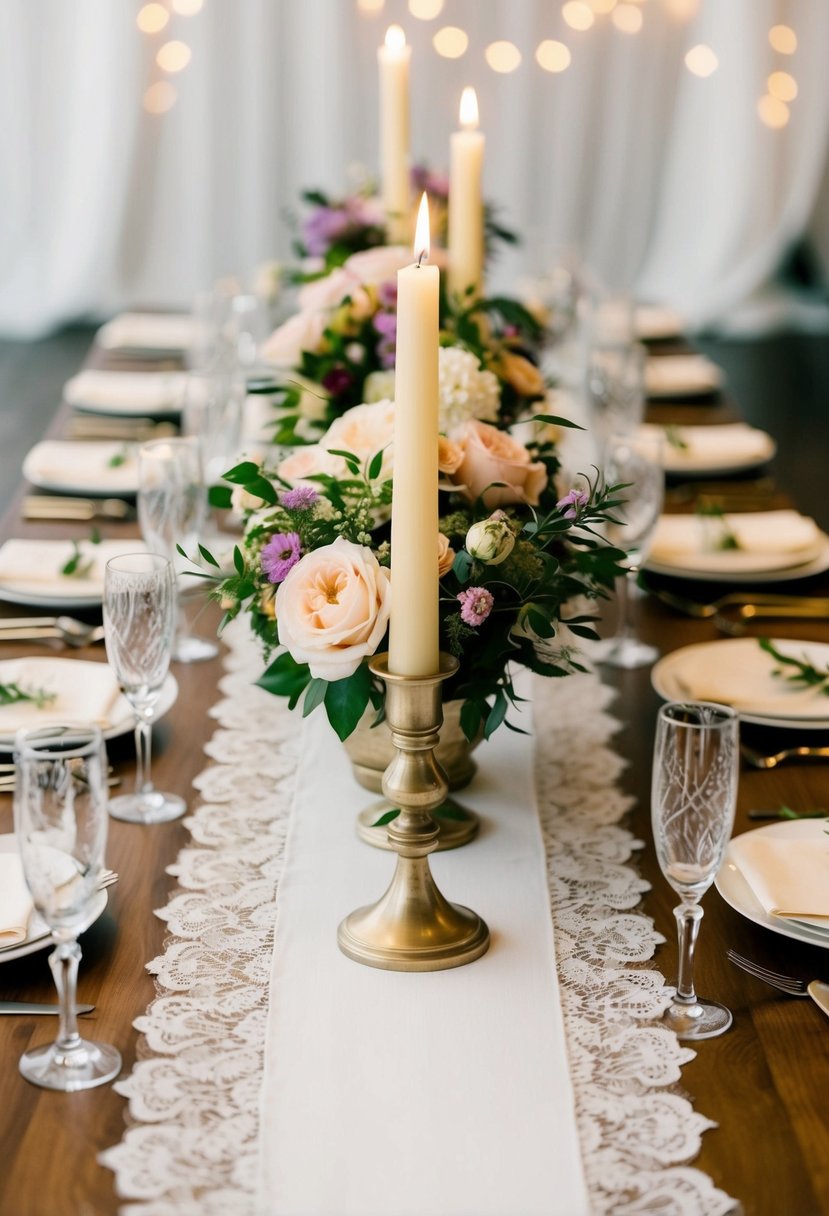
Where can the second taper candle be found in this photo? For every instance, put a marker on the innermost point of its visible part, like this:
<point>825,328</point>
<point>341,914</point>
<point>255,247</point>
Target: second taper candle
<point>413,629</point>
<point>466,205</point>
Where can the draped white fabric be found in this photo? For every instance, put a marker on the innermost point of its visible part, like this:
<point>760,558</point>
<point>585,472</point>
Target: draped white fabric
<point>661,180</point>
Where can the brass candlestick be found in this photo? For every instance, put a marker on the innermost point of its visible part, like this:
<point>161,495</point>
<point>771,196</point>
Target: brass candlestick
<point>413,927</point>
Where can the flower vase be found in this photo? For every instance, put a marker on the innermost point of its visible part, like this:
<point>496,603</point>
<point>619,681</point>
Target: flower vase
<point>370,750</point>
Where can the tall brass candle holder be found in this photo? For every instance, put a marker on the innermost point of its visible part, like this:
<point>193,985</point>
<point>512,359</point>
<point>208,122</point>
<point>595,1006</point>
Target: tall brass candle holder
<point>413,927</point>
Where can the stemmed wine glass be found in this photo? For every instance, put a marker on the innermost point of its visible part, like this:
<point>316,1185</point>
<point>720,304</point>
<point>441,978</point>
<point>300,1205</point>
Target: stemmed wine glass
<point>634,463</point>
<point>694,795</point>
<point>212,412</point>
<point>616,387</point>
<point>60,818</point>
<point>172,507</point>
<point>139,619</point>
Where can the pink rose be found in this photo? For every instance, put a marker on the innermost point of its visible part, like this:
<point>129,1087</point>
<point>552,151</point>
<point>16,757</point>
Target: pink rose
<point>333,608</point>
<point>301,332</point>
<point>327,292</point>
<point>450,455</point>
<point>490,455</point>
<point>378,265</point>
<point>305,462</point>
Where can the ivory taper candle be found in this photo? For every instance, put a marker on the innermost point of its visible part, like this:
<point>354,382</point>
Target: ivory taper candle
<point>413,636</point>
<point>466,205</point>
<point>393,62</point>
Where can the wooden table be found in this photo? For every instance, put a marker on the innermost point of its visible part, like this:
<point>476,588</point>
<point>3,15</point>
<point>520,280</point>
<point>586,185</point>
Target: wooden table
<point>765,1082</point>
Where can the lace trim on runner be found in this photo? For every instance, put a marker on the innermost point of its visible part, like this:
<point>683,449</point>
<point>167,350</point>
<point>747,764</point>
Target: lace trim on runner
<point>194,1096</point>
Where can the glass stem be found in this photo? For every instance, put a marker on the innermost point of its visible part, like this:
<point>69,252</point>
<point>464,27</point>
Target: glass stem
<point>64,964</point>
<point>143,752</point>
<point>688,917</point>
<point>624,626</point>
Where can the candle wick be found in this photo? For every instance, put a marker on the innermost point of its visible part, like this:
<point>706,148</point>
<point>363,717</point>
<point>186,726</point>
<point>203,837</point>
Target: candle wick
<point>421,256</point>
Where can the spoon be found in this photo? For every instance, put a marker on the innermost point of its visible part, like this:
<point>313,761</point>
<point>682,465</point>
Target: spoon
<point>43,628</point>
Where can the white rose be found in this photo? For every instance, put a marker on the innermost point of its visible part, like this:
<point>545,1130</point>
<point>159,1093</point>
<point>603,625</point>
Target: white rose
<point>490,540</point>
<point>363,430</point>
<point>332,609</point>
<point>379,385</point>
<point>301,332</point>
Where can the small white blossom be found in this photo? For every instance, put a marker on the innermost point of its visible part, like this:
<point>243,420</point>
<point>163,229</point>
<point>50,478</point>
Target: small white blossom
<point>467,390</point>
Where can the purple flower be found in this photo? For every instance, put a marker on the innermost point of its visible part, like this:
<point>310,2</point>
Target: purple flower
<point>436,184</point>
<point>573,501</point>
<point>280,555</point>
<point>476,605</point>
<point>300,498</point>
<point>386,324</point>
<point>337,381</point>
<point>387,294</point>
<point>322,227</point>
<point>387,353</point>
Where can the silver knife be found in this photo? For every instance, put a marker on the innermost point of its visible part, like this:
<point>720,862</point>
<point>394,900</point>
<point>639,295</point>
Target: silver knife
<point>819,992</point>
<point>34,1007</point>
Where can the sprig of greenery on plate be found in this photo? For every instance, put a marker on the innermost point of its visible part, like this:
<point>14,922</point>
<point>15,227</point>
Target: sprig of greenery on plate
<point>13,694</point>
<point>797,671</point>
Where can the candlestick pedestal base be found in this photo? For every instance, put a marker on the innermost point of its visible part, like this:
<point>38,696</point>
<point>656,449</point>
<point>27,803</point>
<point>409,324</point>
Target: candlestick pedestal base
<point>457,825</point>
<point>413,927</point>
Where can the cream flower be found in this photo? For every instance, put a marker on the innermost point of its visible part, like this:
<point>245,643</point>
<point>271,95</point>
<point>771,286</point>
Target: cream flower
<point>446,555</point>
<point>379,385</point>
<point>333,608</point>
<point>363,430</point>
<point>378,265</point>
<point>467,390</point>
<point>327,292</point>
<point>492,456</point>
<point>301,332</point>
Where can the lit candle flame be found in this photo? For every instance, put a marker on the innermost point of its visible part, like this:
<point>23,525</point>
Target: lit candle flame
<point>395,38</point>
<point>469,109</point>
<point>421,241</point>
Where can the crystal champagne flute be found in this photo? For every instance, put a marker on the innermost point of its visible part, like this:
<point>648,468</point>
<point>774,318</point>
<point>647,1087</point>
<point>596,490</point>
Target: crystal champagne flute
<point>60,819</point>
<point>694,795</point>
<point>635,464</point>
<point>172,507</point>
<point>139,619</point>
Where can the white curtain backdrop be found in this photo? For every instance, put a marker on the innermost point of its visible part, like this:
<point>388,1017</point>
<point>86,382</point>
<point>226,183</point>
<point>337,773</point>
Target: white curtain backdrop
<point>661,181</point>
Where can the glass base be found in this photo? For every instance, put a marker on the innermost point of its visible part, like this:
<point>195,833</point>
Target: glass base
<point>83,1066</point>
<point>151,807</point>
<point>625,652</point>
<point>704,1020</point>
<point>194,650</point>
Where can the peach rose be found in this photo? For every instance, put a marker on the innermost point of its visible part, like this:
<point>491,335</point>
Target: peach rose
<point>333,608</point>
<point>304,463</point>
<point>446,555</point>
<point>450,455</point>
<point>378,265</point>
<point>490,455</point>
<point>301,332</point>
<point>327,292</point>
<point>363,430</point>
<point>523,375</point>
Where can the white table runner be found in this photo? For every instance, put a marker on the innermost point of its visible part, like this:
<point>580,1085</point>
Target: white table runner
<point>195,1144</point>
<point>446,1093</point>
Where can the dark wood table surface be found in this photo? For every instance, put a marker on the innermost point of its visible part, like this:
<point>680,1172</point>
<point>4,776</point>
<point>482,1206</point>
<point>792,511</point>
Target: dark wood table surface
<point>765,1082</point>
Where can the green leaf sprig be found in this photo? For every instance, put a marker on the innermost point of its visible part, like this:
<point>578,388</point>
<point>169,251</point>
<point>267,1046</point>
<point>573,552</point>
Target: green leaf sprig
<point>12,694</point>
<point>726,539</point>
<point>78,565</point>
<point>797,671</point>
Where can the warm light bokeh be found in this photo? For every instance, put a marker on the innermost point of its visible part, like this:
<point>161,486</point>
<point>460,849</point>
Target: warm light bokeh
<point>188,8</point>
<point>370,6</point>
<point>503,56</point>
<point>552,56</point>
<point>451,42</point>
<point>782,85</point>
<point>577,14</point>
<point>602,6</point>
<point>152,18</point>
<point>173,56</point>
<point>783,39</point>
<point>701,60</point>
<point>773,112</point>
<point>627,18</point>
<point>426,10</point>
<point>160,97</point>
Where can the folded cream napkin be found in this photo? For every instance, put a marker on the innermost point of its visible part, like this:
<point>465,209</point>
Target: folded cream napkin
<point>712,446</point>
<point>789,877</point>
<point>15,901</point>
<point>93,468</point>
<point>767,540</point>
<point>34,566</point>
<point>677,375</point>
<point>652,321</point>
<point>147,331</point>
<point>126,392</point>
<point>81,691</point>
<point>739,673</point>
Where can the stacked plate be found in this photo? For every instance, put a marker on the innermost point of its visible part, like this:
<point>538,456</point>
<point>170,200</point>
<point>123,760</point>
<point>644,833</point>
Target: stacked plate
<point>668,376</point>
<point>703,451</point>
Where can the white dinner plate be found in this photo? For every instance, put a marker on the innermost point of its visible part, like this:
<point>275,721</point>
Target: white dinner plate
<point>59,592</point>
<point>744,655</point>
<point>39,935</point>
<point>153,334</point>
<point>121,717</point>
<point>786,574</point>
<point>742,448</point>
<point>669,376</point>
<point>736,892</point>
<point>657,322</point>
<point>126,394</point>
<point>68,466</point>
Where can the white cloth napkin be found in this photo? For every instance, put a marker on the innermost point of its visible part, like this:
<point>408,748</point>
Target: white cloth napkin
<point>739,673</point>
<point>147,331</point>
<point>768,540</point>
<point>15,901</point>
<point>677,375</point>
<point>86,467</point>
<point>788,877</point>
<point>652,321</point>
<point>34,566</point>
<point>87,693</point>
<point>126,392</point>
<point>709,446</point>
